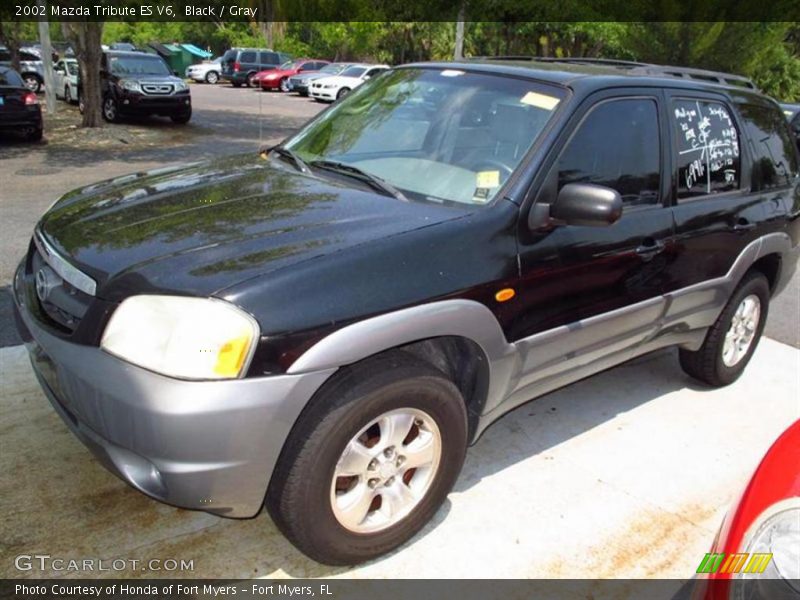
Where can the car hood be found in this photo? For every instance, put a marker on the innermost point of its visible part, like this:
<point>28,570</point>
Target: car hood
<point>202,227</point>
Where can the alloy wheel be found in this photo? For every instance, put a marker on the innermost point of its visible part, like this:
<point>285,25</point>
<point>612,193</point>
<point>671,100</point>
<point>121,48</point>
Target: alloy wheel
<point>385,470</point>
<point>742,331</point>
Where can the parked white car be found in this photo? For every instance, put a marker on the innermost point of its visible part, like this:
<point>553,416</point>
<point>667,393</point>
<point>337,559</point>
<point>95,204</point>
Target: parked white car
<point>207,71</point>
<point>328,89</point>
<point>65,74</point>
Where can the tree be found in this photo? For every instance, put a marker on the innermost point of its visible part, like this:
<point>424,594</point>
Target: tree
<point>84,37</point>
<point>12,34</point>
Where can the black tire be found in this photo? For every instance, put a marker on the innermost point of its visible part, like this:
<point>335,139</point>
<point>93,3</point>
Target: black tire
<point>81,105</point>
<point>67,95</point>
<point>283,85</point>
<point>236,84</point>
<point>34,135</point>
<point>299,499</point>
<point>181,119</point>
<point>110,109</point>
<point>250,82</point>
<point>212,77</point>
<point>706,364</point>
<point>32,82</point>
<point>342,93</point>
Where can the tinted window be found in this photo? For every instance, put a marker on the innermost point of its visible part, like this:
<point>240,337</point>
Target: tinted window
<point>774,160</point>
<point>247,57</point>
<point>137,65</point>
<point>708,148</point>
<point>617,146</point>
<point>5,55</point>
<point>9,77</point>
<point>353,72</point>
<point>269,58</point>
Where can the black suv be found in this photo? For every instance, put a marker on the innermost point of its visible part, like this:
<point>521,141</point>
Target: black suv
<point>239,65</point>
<point>138,83</point>
<point>324,328</point>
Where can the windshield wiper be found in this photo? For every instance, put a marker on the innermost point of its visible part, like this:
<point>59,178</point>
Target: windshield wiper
<point>298,162</point>
<point>373,180</point>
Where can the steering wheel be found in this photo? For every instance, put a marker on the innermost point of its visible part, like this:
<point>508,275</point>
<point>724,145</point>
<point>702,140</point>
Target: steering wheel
<point>490,164</point>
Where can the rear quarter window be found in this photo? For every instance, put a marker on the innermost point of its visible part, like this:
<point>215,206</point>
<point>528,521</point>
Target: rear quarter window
<point>774,156</point>
<point>707,146</point>
<point>270,58</point>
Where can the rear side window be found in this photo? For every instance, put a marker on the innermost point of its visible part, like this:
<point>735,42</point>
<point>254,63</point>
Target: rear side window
<point>270,58</point>
<point>9,77</point>
<point>617,146</point>
<point>774,158</point>
<point>708,158</point>
<point>247,57</point>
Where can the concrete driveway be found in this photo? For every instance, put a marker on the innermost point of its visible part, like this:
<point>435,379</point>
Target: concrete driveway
<point>627,474</point>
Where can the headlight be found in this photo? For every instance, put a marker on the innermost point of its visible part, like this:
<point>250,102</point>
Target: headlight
<point>131,85</point>
<point>180,86</point>
<point>191,338</point>
<point>777,535</point>
<point>328,86</point>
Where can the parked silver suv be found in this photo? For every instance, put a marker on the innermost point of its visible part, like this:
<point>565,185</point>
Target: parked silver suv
<point>31,67</point>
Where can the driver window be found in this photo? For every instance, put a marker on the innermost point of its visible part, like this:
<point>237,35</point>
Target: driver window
<point>617,145</point>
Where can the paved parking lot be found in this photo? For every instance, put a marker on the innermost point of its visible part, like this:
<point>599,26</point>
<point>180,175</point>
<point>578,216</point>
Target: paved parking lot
<point>627,474</point>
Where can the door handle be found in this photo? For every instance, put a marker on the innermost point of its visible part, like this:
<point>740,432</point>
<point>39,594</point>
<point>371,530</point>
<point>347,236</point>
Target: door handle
<point>743,225</point>
<point>649,248</point>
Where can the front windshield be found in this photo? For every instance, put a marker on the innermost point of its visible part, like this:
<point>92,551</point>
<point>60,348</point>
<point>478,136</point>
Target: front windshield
<point>138,65</point>
<point>353,71</point>
<point>332,69</point>
<point>438,135</point>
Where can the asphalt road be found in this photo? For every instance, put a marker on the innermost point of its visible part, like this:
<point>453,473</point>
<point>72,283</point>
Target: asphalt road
<point>226,120</point>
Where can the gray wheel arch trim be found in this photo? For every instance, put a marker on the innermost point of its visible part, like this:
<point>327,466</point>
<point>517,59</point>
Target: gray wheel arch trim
<point>462,318</point>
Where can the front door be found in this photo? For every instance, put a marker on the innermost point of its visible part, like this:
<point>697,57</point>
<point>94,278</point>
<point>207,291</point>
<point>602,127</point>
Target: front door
<point>588,294</point>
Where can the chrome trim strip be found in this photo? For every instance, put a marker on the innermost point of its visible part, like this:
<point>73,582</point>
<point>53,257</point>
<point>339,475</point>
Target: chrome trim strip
<point>68,273</point>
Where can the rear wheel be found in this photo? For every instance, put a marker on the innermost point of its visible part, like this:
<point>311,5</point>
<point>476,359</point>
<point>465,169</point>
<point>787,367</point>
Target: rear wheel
<point>251,82</point>
<point>212,77</point>
<point>370,461</point>
<point>731,341</point>
<point>34,134</point>
<point>32,82</point>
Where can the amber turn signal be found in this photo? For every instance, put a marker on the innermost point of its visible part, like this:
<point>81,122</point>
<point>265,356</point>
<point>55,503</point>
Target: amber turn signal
<point>505,294</point>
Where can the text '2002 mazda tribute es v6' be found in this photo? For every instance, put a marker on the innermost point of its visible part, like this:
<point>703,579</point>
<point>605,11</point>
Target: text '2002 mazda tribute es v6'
<point>324,328</point>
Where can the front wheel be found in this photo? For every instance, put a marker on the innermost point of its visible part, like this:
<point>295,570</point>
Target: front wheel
<point>370,460</point>
<point>284,85</point>
<point>181,119</point>
<point>342,93</point>
<point>110,110</point>
<point>731,341</point>
<point>67,95</point>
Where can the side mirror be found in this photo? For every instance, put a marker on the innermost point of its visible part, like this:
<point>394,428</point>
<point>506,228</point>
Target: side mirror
<point>174,72</point>
<point>587,204</point>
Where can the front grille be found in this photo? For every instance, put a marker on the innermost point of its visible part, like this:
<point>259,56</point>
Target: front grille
<point>156,89</point>
<point>62,302</point>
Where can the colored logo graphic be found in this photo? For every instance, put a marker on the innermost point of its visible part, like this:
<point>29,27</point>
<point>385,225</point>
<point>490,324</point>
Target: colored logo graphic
<point>734,563</point>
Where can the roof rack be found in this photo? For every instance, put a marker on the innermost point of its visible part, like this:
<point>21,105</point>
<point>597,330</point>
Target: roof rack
<point>641,68</point>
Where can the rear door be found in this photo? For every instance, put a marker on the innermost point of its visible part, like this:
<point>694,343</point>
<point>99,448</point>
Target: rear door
<point>268,60</point>
<point>716,213</point>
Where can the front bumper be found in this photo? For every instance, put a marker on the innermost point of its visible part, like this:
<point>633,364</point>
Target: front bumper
<point>323,94</point>
<point>206,445</point>
<point>167,105</point>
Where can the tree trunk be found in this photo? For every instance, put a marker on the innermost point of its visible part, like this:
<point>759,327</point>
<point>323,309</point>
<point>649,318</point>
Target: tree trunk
<point>462,11</point>
<point>84,37</point>
<point>47,62</point>
<point>9,35</point>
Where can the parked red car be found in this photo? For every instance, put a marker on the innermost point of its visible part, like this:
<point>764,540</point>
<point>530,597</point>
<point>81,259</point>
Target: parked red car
<point>757,551</point>
<point>278,79</point>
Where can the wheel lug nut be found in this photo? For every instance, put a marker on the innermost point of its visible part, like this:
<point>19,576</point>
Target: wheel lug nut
<point>389,452</point>
<point>373,483</point>
<point>400,461</point>
<point>373,464</point>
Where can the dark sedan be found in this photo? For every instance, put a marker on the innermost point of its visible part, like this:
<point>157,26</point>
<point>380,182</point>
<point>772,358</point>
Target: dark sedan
<point>19,107</point>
